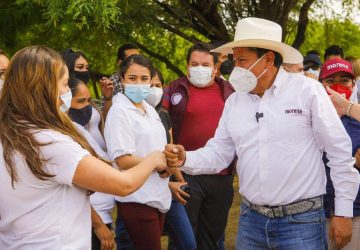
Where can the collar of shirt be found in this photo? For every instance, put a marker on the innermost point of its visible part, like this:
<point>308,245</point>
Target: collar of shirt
<point>276,86</point>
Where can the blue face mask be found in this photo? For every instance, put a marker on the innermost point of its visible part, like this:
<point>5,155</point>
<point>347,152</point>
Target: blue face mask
<point>137,92</point>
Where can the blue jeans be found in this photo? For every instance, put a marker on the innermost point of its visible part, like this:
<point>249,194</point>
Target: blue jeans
<point>178,225</point>
<point>122,237</point>
<point>300,231</point>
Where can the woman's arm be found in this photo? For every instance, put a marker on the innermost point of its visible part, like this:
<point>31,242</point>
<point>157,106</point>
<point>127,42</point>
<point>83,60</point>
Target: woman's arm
<point>103,233</point>
<point>125,162</point>
<point>95,175</point>
<point>344,106</point>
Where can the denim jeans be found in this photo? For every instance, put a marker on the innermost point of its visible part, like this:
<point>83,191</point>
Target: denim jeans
<point>178,225</point>
<point>300,231</point>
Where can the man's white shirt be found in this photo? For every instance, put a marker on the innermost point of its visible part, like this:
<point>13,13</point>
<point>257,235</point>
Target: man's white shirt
<point>280,154</point>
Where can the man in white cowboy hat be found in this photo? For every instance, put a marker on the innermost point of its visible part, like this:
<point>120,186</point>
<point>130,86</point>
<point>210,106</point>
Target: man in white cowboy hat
<point>278,124</point>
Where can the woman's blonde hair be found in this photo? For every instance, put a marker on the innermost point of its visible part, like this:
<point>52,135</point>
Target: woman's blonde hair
<point>29,102</point>
<point>355,63</point>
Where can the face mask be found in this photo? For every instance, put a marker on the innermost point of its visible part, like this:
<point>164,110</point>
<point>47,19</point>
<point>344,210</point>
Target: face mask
<point>243,80</point>
<point>66,98</point>
<point>200,76</point>
<point>154,96</point>
<point>314,72</point>
<point>341,89</point>
<point>82,75</point>
<point>226,67</point>
<point>81,116</point>
<point>1,84</point>
<point>137,92</point>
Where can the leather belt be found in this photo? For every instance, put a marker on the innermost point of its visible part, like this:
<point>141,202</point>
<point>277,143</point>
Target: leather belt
<point>289,209</point>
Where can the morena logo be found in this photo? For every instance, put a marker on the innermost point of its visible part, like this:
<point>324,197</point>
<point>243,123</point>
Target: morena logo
<point>337,65</point>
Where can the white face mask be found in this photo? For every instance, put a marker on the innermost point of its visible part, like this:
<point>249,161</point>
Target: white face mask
<point>243,80</point>
<point>66,98</point>
<point>200,76</point>
<point>1,84</point>
<point>155,96</point>
<point>314,72</point>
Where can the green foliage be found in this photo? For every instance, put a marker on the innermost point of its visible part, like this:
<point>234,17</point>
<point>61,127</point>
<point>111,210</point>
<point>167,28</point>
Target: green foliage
<point>321,35</point>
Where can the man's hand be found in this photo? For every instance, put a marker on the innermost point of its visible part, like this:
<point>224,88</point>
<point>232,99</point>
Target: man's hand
<point>105,236</point>
<point>175,155</point>
<point>177,192</point>
<point>340,230</point>
<point>107,87</point>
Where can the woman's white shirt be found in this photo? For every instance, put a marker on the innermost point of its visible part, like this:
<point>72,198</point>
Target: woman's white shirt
<point>93,128</point>
<point>101,202</point>
<point>45,214</point>
<point>130,131</point>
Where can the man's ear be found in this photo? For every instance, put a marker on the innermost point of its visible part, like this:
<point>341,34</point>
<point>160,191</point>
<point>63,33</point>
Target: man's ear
<point>270,58</point>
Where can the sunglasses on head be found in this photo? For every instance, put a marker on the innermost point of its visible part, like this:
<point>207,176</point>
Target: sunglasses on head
<point>69,50</point>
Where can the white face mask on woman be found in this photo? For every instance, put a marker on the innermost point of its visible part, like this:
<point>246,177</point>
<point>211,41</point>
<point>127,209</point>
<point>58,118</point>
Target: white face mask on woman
<point>66,98</point>
<point>155,96</point>
<point>243,80</point>
<point>200,76</point>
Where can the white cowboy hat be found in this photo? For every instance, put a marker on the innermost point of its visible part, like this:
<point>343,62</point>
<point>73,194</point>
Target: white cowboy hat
<point>261,33</point>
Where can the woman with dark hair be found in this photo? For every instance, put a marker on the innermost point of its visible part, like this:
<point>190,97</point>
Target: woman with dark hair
<point>77,64</point>
<point>101,216</point>
<point>46,166</point>
<point>132,130</point>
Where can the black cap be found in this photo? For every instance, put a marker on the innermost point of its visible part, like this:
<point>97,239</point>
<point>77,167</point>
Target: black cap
<point>312,58</point>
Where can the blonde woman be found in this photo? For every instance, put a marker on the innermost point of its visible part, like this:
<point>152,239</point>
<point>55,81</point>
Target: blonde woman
<point>46,166</point>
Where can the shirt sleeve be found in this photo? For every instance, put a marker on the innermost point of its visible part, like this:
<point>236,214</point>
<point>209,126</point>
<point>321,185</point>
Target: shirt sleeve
<point>119,135</point>
<point>62,155</point>
<point>332,137</point>
<point>218,152</point>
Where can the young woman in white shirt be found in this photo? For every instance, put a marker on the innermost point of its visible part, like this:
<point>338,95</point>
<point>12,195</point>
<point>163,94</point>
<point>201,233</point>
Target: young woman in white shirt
<point>132,130</point>
<point>46,166</point>
<point>102,204</point>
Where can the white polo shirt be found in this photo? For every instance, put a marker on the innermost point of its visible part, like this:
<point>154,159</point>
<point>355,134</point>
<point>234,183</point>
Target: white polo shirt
<point>279,156</point>
<point>102,203</point>
<point>128,130</point>
<point>93,128</point>
<point>45,214</point>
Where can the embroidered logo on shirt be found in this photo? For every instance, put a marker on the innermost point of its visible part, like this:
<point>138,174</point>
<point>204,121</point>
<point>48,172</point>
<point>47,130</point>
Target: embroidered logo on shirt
<point>293,111</point>
<point>176,98</point>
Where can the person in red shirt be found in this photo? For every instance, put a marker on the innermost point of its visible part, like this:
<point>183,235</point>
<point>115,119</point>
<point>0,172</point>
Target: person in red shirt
<point>195,104</point>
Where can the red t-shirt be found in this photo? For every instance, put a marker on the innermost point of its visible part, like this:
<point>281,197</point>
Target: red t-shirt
<point>201,117</point>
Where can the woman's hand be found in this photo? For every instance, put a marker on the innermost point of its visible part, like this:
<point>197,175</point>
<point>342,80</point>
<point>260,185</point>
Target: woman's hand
<point>340,103</point>
<point>105,236</point>
<point>107,88</point>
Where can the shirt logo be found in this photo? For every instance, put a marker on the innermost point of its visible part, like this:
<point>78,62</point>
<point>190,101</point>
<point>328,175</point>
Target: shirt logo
<point>176,98</point>
<point>293,111</point>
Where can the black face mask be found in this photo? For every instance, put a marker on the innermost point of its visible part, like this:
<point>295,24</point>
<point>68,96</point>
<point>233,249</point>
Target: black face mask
<point>83,76</point>
<point>226,67</point>
<point>81,116</point>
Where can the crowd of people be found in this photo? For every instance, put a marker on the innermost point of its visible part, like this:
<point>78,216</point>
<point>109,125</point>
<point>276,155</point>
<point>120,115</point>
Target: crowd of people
<point>165,155</point>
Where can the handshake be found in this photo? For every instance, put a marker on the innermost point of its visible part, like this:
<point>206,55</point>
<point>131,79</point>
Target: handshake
<point>173,156</point>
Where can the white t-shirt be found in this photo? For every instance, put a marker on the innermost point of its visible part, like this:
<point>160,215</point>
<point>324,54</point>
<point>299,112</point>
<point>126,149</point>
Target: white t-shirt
<point>102,203</point>
<point>45,214</point>
<point>128,130</point>
<point>93,128</point>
